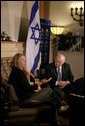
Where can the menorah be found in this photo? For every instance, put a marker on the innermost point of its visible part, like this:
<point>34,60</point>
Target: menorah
<point>79,13</point>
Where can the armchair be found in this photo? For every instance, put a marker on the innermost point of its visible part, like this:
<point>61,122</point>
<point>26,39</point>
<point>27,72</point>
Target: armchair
<point>77,102</point>
<point>15,112</point>
<point>26,113</point>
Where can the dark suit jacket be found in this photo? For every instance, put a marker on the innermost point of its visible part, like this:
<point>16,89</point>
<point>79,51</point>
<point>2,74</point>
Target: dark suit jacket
<point>52,72</point>
<point>19,81</point>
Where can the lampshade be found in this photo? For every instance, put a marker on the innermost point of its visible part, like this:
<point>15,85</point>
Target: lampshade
<point>66,30</point>
<point>57,30</point>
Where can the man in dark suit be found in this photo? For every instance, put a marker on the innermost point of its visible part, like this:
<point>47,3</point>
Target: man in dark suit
<point>62,77</point>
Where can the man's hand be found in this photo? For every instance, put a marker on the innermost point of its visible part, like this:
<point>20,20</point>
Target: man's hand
<point>62,84</point>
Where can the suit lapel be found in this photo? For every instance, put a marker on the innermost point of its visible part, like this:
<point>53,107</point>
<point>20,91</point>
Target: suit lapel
<point>63,72</point>
<point>54,71</point>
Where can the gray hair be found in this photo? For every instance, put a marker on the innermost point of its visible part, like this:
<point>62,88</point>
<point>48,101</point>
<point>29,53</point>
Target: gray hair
<point>62,57</point>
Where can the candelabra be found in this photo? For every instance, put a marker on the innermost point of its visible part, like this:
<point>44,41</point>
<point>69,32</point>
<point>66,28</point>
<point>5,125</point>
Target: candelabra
<point>78,13</point>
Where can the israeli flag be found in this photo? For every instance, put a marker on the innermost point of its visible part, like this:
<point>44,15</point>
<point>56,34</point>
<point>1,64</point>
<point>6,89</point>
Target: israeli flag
<point>33,57</point>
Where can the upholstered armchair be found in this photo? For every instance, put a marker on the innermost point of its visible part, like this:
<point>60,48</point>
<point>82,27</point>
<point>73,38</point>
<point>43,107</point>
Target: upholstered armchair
<point>76,100</point>
<point>14,112</point>
<point>5,67</point>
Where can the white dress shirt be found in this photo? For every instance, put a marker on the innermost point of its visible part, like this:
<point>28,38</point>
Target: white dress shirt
<point>61,75</point>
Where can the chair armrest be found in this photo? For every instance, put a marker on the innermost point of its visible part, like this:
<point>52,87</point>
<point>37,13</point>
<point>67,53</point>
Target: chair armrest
<point>76,95</point>
<point>30,103</point>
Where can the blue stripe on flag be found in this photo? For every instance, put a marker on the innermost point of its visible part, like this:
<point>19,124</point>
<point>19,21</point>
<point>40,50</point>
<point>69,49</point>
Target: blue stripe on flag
<point>36,61</point>
<point>34,10</point>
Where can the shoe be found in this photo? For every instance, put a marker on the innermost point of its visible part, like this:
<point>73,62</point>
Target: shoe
<point>63,108</point>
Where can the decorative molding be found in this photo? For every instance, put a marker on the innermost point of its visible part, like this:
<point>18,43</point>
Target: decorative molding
<point>9,49</point>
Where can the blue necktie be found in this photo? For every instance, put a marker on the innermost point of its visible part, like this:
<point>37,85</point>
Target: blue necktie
<point>59,75</point>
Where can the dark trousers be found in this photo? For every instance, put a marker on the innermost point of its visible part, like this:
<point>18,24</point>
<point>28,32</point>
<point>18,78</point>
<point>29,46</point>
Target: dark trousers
<point>63,94</point>
<point>46,95</point>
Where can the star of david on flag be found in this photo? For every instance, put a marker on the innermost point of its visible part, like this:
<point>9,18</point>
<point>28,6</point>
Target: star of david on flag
<point>33,54</point>
<point>36,31</point>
